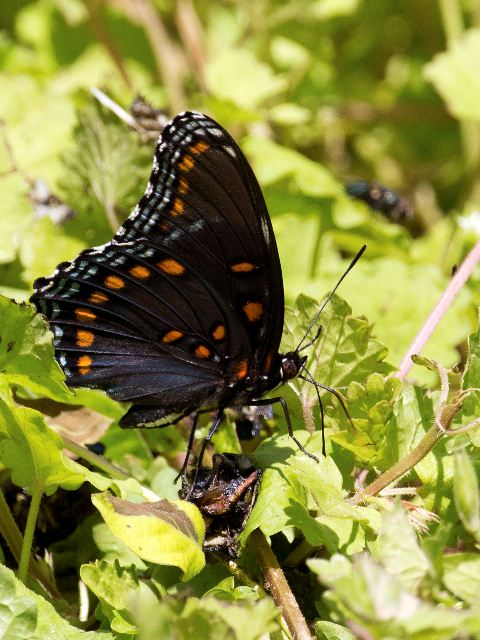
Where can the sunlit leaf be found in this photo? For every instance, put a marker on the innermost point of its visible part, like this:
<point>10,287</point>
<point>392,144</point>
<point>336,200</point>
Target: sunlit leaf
<point>162,532</point>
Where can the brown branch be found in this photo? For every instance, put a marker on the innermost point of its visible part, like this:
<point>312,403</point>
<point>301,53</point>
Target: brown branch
<point>103,35</point>
<point>191,33</point>
<point>278,586</point>
<point>169,59</point>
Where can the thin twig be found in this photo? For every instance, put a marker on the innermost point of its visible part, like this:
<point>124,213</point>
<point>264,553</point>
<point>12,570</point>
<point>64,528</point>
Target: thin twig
<point>278,586</point>
<point>115,108</point>
<point>104,36</point>
<point>168,57</point>
<point>8,147</point>
<point>457,282</point>
<point>112,217</point>
<point>191,33</point>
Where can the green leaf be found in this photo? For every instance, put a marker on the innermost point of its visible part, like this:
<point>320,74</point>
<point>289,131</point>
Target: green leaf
<point>205,618</point>
<point>237,76</point>
<point>412,416</point>
<point>114,586</point>
<point>397,321</point>
<point>398,549</point>
<point>32,450</point>
<point>345,350</point>
<point>16,215</point>
<point>455,76</point>
<point>162,532</point>
<point>114,549</point>
<point>279,488</point>
<point>25,614</point>
<point>325,630</point>
<point>461,574</point>
<point>38,262</point>
<point>345,353</point>
<point>370,406</point>
<point>104,172</point>
<point>367,594</point>
<point>26,351</point>
<point>307,495</point>
<point>327,9</point>
<point>272,163</point>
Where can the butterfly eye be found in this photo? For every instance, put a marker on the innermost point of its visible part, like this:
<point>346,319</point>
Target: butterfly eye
<point>290,365</point>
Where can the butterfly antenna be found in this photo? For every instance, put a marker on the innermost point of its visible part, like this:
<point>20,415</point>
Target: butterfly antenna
<point>334,392</point>
<point>327,300</point>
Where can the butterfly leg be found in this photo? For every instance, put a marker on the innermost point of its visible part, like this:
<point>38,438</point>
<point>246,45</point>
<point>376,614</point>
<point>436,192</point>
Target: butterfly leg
<point>214,426</point>
<point>183,470</point>
<point>334,392</point>
<point>320,404</point>
<point>283,402</point>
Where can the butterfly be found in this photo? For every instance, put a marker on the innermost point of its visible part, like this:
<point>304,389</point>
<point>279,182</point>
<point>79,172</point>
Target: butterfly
<point>182,311</point>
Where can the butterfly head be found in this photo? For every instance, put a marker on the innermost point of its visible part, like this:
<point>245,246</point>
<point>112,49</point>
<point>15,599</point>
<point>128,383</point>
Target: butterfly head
<point>291,364</point>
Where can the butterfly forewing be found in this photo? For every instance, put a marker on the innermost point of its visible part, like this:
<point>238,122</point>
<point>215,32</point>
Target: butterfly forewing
<point>187,298</point>
<point>204,199</point>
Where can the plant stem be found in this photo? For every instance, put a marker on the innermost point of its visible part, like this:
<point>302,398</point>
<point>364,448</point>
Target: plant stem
<point>279,588</point>
<point>451,19</point>
<point>103,35</point>
<point>399,469</point>
<point>9,529</point>
<point>95,460</point>
<point>456,283</point>
<point>11,533</point>
<point>169,58</point>
<point>191,33</point>
<point>29,531</point>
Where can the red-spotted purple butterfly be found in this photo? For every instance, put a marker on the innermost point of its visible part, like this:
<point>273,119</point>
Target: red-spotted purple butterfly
<point>182,311</point>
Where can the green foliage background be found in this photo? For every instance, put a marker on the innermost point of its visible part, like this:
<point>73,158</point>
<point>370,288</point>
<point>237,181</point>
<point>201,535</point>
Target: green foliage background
<point>317,93</point>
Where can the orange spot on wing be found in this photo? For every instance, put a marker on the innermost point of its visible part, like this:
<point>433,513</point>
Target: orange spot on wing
<point>241,369</point>
<point>242,267</point>
<point>178,207</point>
<point>84,338</point>
<point>171,266</point>
<point>85,315</point>
<point>186,164</point>
<point>172,336</point>
<point>253,311</point>
<point>219,332</point>
<point>202,352</point>
<point>139,271</point>
<point>198,147</point>
<point>182,186</point>
<point>97,297</point>
<point>114,282</point>
<point>84,363</point>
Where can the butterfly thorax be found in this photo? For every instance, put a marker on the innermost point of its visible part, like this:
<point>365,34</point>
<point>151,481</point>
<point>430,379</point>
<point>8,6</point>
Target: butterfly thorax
<point>284,367</point>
